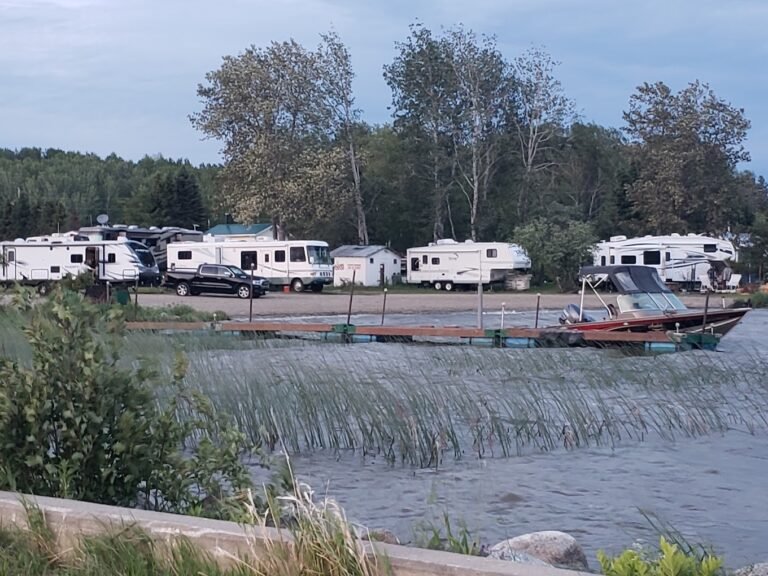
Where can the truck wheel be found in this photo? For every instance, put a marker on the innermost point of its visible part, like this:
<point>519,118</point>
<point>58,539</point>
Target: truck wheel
<point>297,285</point>
<point>182,289</point>
<point>243,292</point>
<point>317,287</point>
<point>438,285</point>
<point>448,286</point>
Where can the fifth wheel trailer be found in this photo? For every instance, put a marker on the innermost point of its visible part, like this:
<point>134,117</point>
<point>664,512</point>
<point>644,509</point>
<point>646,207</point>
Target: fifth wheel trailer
<point>446,264</point>
<point>40,261</point>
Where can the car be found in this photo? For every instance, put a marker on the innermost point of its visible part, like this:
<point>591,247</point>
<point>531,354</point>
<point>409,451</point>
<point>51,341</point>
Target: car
<point>216,279</point>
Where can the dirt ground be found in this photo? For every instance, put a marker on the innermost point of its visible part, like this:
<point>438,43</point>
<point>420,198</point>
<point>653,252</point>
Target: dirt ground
<point>308,304</point>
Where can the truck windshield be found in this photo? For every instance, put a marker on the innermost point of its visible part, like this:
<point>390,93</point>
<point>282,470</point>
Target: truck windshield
<point>142,253</point>
<point>238,272</point>
<point>318,255</point>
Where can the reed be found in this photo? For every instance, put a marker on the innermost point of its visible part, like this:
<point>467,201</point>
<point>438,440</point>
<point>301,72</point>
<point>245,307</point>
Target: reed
<point>418,405</point>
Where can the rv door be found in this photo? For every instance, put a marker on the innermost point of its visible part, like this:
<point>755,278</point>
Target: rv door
<point>92,261</point>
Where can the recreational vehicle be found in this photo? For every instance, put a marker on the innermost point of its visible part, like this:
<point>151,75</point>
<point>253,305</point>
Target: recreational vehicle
<point>299,264</point>
<point>156,239</point>
<point>42,260</point>
<point>446,263</point>
<point>678,259</point>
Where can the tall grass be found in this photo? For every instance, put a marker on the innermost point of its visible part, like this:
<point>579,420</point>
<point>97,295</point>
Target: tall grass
<point>418,405</point>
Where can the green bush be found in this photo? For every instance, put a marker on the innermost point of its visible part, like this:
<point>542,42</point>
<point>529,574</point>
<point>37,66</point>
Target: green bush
<point>670,561</point>
<point>77,424</point>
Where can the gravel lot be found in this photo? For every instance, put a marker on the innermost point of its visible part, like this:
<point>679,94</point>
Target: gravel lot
<point>307,304</point>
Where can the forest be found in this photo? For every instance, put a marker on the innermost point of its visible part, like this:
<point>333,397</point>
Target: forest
<point>479,146</point>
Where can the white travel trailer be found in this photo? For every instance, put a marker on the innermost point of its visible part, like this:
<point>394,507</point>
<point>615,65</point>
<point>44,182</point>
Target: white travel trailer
<point>45,259</point>
<point>679,259</point>
<point>295,263</point>
<point>446,263</point>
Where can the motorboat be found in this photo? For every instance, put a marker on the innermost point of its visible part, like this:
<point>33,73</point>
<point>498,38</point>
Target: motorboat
<point>643,303</point>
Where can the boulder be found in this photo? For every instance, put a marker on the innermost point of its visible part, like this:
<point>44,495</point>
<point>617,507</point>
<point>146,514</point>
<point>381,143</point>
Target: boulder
<point>550,547</point>
<point>760,569</point>
<point>503,552</point>
<point>386,536</point>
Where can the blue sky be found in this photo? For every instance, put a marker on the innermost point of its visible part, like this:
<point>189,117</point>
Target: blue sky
<point>121,75</point>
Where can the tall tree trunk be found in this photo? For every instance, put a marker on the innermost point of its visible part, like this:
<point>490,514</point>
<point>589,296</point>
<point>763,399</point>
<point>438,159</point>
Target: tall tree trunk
<point>362,226</point>
<point>438,224</point>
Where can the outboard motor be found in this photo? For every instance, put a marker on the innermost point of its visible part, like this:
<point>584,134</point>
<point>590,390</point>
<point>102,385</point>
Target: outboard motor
<point>571,314</point>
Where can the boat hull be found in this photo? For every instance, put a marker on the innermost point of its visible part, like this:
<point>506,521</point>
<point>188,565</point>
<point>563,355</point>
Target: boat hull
<point>719,321</point>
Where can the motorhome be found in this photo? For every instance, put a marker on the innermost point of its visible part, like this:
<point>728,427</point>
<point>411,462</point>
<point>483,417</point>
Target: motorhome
<point>155,238</point>
<point>299,264</point>
<point>679,259</point>
<point>447,263</point>
<point>39,261</point>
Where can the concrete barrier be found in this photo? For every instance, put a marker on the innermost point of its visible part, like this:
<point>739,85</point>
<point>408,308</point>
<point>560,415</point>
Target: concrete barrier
<point>69,520</point>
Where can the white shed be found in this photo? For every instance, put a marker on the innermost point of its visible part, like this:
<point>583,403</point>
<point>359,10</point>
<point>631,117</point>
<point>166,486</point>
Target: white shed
<point>367,263</point>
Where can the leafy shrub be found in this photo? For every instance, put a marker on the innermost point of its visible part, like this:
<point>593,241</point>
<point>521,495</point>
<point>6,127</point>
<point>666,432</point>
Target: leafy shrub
<point>434,536</point>
<point>77,424</point>
<point>671,561</point>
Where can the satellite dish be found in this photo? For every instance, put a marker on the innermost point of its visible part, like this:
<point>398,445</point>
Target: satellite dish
<point>102,219</point>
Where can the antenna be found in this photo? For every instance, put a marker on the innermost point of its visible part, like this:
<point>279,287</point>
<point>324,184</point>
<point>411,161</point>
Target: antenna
<point>102,219</point>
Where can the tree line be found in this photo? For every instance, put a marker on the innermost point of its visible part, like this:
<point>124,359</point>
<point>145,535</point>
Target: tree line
<point>480,146</point>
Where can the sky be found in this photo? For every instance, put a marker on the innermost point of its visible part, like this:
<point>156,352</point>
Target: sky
<point>121,76</point>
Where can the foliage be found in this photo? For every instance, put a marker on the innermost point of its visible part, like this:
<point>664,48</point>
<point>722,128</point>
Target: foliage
<point>670,561</point>
<point>77,424</point>
<point>174,313</point>
<point>434,536</point>
<point>557,248</point>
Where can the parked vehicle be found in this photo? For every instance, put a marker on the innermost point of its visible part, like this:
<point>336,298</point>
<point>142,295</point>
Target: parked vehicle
<point>446,263</point>
<point>644,303</point>
<point>678,259</point>
<point>295,263</point>
<point>156,239</point>
<point>45,259</point>
<point>216,279</point>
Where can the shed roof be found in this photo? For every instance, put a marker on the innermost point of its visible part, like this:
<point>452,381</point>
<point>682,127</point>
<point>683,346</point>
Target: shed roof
<point>225,229</point>
<point>351,251</point>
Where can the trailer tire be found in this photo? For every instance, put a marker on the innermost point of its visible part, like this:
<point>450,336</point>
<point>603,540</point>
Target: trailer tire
<point>297,285</point>
<point>182,289</point>
<point>438,285</point>
<point>448,286</point>
<point>243,292</point>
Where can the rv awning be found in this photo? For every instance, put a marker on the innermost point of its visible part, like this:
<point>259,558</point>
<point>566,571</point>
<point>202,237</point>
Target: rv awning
<point>629,279</point>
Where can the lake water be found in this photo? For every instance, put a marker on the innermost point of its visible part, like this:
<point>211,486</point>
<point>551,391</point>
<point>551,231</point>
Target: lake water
<point>712,488</point>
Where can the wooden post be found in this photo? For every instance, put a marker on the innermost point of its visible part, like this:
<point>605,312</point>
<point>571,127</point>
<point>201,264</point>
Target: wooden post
<point>538,302</point>
<point>384,307</point>
<point>351,294</point>
<point>250,293</point>
<point>706,309</point>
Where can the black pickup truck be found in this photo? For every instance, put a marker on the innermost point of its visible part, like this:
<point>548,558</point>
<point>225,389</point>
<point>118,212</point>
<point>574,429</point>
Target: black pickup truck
<point>216,279</point>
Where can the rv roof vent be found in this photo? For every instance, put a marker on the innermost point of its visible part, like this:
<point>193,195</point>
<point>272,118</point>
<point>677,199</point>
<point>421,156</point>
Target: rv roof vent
<point>154,228</point>
<point>618,238</point>
<point>691,234</point>
<point>133,227</point>
<point>675,235</point>
<point>445,241</point>
<point>469,241</point>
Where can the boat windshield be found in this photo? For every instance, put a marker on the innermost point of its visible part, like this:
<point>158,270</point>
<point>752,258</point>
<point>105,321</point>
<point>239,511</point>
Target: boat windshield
<point>647,301</point>
<point>319,255</point>
<point>142,253</point>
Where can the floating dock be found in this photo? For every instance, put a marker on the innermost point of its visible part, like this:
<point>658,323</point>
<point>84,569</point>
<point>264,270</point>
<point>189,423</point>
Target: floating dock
<point>513,337</point>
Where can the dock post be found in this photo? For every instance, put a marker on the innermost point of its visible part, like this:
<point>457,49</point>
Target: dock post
<point>706,309</point>
<point>503,306</point>
<point>351,294</point>
<point>250,292</point>
<point>538,302</point>
<point>383,306</point>
<point>136,299</point>
<point>480,304</point>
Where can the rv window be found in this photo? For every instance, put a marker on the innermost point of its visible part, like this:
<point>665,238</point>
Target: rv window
<point>424,259</point>
<point>613,259</point>
<point>297,254</point>
<point>370,260</point>
<point>11,256</point>
<point>185,255</point>
<point>651,257</point>
<point>435,261</point>
<point>415,264</point>
<point>491,253</point>
<point>667,257</point>
<point>55,269</point>
<point>76,258</point>
<point>266,257</point>
<point>710,247</point>
<point>602,260</point>
<point>628,260</point>
<point>279,255</point>
<point>110,258</point>
<point>248,260</point>
<point>394,260</point>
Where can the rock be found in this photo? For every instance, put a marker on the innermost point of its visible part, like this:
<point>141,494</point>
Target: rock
<point>760,569</point>
<point>550,547</point>
<point>386,536</point>
<point>501,551</point>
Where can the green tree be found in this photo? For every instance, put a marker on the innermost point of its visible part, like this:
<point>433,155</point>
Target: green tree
<point>557,248</point>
